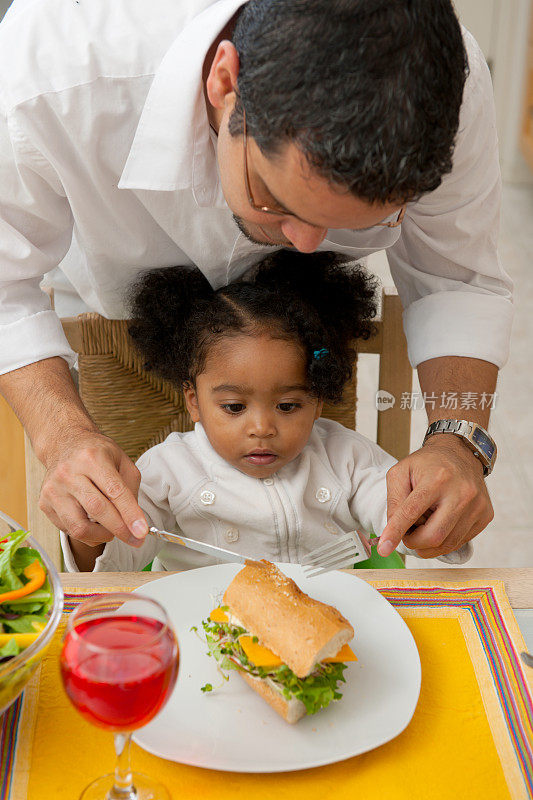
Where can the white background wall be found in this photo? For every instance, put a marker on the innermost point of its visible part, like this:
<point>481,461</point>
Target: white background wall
<point>501,28</point>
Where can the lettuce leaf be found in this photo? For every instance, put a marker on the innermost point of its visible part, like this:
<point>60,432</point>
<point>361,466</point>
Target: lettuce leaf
<point>24,624</point>
<point>9,578</point>
<point>11,648</point>
<point>23,557</point>
<point>317,690</point>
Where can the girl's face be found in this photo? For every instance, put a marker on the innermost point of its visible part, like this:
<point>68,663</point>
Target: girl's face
<point>253,402</point>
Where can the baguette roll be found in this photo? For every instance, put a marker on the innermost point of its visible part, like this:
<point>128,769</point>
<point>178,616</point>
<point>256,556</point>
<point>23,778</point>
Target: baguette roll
<point>301,631</point>
<point>291,710</point>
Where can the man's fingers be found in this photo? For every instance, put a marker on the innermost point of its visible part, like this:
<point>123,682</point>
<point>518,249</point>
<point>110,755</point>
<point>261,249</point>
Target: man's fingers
<point>130,473</point>
<point>75,523</point>
<point>104,510</point>
<point>114,487</point>
<point>407,513</point>
<point>447,518</point>
<point>100,463</point>
<point>453,542</point>
<point>468,526</point>
<point>398,487</point>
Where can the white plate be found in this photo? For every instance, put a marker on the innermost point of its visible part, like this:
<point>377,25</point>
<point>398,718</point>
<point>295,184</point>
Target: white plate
<point>233,729</point>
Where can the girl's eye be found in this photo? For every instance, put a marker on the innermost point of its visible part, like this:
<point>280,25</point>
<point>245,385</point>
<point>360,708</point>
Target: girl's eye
<point>287,407</point>
<point>233,408</point>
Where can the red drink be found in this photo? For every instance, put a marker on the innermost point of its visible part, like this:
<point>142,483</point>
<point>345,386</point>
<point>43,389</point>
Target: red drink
<point>119,670</point>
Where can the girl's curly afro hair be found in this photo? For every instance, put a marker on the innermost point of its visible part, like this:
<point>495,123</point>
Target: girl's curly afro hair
<point>318,300</point>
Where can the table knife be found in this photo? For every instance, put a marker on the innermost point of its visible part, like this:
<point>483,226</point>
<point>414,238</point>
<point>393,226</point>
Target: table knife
<point>202,547</point>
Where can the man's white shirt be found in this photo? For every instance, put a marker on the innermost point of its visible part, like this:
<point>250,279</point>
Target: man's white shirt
<point>108,166</point>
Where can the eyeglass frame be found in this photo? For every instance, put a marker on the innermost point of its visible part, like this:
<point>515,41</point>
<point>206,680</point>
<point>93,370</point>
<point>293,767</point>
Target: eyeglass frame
<point>268,210</point>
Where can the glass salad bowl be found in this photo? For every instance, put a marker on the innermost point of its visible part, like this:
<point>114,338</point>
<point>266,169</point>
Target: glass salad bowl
<point>16,671</point>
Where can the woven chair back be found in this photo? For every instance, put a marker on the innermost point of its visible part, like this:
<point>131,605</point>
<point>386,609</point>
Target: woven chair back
<point>131,405</point>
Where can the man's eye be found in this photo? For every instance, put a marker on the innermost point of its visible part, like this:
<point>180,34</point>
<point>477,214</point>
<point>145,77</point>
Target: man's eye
<point>287,407</point>
<point>233,408</point>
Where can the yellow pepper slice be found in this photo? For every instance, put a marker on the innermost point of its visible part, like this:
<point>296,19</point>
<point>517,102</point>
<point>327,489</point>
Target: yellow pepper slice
<point>218,615</point>
<point>36,577</point>
<point>22,639</point>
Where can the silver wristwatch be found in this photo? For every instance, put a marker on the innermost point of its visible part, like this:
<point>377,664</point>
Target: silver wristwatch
<point>473,435</point>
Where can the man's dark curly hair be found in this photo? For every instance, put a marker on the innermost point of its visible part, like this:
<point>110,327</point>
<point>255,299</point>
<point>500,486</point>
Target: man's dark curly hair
<point>368,90</point>
<point>316,300</point>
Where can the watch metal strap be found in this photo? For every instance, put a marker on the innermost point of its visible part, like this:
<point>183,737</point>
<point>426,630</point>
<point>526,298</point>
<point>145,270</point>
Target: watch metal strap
<point>449,426</point>
<point>464,429</point>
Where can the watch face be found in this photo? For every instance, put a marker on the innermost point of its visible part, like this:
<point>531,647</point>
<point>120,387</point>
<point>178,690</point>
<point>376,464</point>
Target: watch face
<point>483,442</point>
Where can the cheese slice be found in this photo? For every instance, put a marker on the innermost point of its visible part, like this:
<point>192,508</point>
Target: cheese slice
<point>263,657</point>
<point>259,655</point>
<point>345,654</point>
<point>218,615</point>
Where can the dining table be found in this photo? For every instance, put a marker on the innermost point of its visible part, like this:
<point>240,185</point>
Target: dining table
<point>390,771</point>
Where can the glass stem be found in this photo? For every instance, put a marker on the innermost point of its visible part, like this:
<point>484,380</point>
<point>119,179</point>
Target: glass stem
<point>123,788</point>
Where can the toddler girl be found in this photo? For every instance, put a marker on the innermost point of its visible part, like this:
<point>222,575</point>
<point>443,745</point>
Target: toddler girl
<point>261,473</point>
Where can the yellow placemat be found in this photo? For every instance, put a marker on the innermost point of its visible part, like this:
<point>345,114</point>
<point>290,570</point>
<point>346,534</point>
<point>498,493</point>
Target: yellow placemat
<point>457,745</point>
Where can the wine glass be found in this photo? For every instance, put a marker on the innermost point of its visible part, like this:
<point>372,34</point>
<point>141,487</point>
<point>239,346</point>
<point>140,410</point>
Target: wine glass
<point>119,664</point>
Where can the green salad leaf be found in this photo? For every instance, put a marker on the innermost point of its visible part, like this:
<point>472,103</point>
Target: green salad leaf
<point>23,557</point>
<point>24,624</point>
<point>11,648</point>
<point>9,576</point>
<point>317,690</point>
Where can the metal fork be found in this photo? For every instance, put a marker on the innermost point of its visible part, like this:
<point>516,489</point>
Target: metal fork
<point>345,551</point>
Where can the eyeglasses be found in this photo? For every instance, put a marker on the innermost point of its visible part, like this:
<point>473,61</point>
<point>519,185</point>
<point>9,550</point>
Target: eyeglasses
<point>277,212</point>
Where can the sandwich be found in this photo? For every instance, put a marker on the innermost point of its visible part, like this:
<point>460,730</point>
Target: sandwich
<point>288,647</point>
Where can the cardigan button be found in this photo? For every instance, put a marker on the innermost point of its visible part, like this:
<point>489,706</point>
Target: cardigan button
<point>268,481</point>
<point>331,528</point>
<point>323,495</point>
<point>231,535</point>
<point>207,497</point>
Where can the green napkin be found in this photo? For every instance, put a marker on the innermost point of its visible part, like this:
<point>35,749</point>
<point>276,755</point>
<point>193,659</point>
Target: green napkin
<point>394,561</point>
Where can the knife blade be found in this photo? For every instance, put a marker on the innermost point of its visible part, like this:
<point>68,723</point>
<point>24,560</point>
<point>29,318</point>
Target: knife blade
<point>202,547</point>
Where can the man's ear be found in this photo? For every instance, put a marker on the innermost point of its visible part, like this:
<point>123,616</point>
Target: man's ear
<point>191,401</point>
<point>223,74</point>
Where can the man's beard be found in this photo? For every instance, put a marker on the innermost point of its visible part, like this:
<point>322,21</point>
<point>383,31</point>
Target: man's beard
<point>239,222</point>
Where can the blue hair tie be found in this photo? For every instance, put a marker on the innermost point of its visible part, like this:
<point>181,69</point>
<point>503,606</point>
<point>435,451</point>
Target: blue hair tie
<point>318,354</point>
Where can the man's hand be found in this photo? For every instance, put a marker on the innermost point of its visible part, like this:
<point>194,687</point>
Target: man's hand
<point>440,492</point>
<point>90,490</point>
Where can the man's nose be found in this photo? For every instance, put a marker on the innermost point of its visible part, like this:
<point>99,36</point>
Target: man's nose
<point>305,238</point>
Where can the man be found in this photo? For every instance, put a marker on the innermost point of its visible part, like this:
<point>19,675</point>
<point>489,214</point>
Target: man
<point>139,135</point>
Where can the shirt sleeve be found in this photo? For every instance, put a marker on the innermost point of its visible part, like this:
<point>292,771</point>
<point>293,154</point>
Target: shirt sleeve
<point>35,234</point>
<point>456,296</point>
<point>368,465</point>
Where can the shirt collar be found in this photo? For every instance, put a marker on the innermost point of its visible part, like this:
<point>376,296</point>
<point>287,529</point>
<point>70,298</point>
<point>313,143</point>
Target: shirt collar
<point>172,148</point>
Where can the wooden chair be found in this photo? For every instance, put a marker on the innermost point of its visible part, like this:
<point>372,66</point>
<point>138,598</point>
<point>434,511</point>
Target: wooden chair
<point>139,410</point>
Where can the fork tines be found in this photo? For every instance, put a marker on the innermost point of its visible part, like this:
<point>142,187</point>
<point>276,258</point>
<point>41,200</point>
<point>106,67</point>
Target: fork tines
<point>343,552</point>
